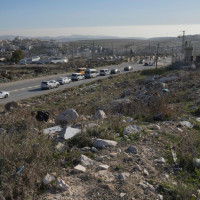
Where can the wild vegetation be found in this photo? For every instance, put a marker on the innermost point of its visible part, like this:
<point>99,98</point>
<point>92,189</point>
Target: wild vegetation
<point>27,154</point>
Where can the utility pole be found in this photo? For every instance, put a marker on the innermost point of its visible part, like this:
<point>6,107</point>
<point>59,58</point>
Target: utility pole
<point>157,56</point>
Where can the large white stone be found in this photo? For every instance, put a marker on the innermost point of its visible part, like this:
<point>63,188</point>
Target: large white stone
<point>84,160</point>
<point>69,132</point>
<point>48,179</point>
<point>132,129</point>
<point>80,168</point>
<point>52,130</point>
<point>100,114</point>
<point>67,116</point>
<point>100,143</point>
<point>103,167</point>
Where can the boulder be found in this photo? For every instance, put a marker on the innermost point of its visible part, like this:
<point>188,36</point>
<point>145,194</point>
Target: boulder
<point>69,132</point>
<point>48,179</point>
<point>168,79</point>
<point>52,130</point>
<point>100,114</point>
<point>196,162</point>
<point>67,117</point>
<point>123,176</point>
<point>80,168</point>
<point>100,143</point>
<point>132,129</point>
<point>131,149</point>
<point>85,161</point>
<point>120,104</point>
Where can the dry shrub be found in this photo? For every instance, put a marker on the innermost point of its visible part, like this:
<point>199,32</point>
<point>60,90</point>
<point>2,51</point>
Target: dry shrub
<point>32,151</point>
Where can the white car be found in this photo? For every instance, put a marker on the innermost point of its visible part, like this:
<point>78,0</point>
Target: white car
<point>4,94</point>
<point>104,72</point>
<point>64,80</point>
<point>49,84</point>
<point>77,76</point>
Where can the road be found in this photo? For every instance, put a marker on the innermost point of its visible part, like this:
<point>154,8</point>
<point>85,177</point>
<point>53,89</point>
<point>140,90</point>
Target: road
<point>25,89</point>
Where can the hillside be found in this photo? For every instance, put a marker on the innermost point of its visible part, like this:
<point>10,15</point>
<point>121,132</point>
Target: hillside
<point>137,137</point>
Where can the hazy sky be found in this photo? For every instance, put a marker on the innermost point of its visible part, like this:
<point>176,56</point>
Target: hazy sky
<point>125,18</point>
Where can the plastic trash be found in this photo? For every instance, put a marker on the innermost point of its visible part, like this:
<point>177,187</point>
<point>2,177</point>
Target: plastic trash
<point>42,116</point>
<point>20,169</point>
<point>165,90</point>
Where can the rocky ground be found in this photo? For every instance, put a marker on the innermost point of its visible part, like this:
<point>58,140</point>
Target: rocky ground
<point>133,136</point>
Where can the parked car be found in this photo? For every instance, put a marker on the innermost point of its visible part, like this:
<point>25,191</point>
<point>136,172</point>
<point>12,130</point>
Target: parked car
<point>77,77</point>
<point>4,94</point>
<point>49,84</point>
<point>91,73</point>
<point>64,80</point>
<point>128,68</point>
<point>115,71</point>
<point>104,72</point>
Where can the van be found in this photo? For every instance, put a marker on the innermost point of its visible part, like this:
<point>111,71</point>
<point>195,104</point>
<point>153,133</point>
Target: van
<point>77,77</point>
<point>91,73</point>
<point>81,70</point>
<point>104,72</point>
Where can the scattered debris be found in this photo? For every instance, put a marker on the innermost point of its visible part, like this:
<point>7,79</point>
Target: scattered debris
<point>52,130</point>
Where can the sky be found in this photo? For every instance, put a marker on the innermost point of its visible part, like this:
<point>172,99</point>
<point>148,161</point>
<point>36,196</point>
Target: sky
<point>122,18</point>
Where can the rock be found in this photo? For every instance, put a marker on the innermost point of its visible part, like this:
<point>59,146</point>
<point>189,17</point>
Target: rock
<point>145,172</point>
<point>103,167</point>
<point>122,195</point>
<point>137,167</point>
<point>48,179</point>
<point>145,185</point>
<point>100,158</point>
<point>80,168</point>
<point>126,92</point>
<point>196,162</point>
<point>62,185</point>
<point>160,160</point>
<point>100,114</point>
<point>85,149</point>
<point>69,132</point>
<point>2,131</point>
<point>186,123</point>
<point>67,117</point>
<point>120,104</point>
<point>123,176</point>
<point>93,149</point>
<point>132,129</point>
<point>198,119</point>
<point>160,197</point>
<point>113,155</point>
<point>60,147</point>
<point>100,143</point>
<point>84,160</point>
<point>157,117</point>
<point>52,130</point>
<point>156,127</point>
<point>155,134</point>
<point>131,149</point>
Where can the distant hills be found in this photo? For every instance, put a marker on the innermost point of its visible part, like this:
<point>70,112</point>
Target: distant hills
<point>68,38</point>
<point>96,37</point>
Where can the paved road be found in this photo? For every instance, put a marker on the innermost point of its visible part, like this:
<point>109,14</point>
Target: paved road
<point>25,89</point>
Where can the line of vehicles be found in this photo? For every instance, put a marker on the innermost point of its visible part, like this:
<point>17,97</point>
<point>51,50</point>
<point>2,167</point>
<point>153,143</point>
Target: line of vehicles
<point>81,73</point>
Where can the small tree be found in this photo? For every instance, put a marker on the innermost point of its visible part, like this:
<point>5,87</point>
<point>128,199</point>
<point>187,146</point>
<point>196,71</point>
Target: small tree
<point>17,55</point>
